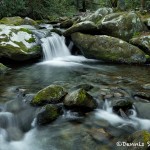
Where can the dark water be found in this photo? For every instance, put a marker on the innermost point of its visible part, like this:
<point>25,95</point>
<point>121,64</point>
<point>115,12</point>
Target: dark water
<point>83,133</point>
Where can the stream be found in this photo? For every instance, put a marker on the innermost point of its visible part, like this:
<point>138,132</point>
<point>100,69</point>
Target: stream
<point>71,131</point>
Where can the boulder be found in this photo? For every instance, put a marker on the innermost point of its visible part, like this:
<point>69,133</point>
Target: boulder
<point>50,94</point>
<point>142,137</point>
<point>147,22</point>
<point>29,21</point>
<point>121,25</point>
<point>108,48</point>
<point>97,15</point>
<point>142,41</point>
<point>12,20</point>
<point>80,100</point>
<point>66,24</point>
<point>48,114</point>
<point>18,43</point>
<point>3,69</point>
<point>85,27</point>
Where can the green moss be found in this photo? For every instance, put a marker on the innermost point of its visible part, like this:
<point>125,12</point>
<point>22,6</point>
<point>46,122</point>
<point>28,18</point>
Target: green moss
<point>146,137</point>
<point>147,56</point>
<point>31,40</point>
<point>81,96</point>
<point>25,30</point>
<point>50,94</point>
<point>11,21</point>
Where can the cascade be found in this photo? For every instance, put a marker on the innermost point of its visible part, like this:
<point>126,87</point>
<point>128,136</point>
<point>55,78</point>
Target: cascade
<point>54,47</point>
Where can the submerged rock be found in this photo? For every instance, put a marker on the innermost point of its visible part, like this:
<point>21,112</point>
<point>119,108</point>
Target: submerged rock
<point>141,137</point>
<point>48,114</point>
<point>121,25</point>
<point>108,48</point>
<point>142,41</point>
<point>85,27</point>
<point>18,43</point>
<point>51,94</point>
<point>3,69</point>
<point>80,100</point>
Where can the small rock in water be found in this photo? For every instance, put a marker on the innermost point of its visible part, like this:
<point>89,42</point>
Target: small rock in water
<point>146,86</point>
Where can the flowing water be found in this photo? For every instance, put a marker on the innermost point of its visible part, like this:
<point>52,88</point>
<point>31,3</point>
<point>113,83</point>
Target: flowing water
<point>71,131</point>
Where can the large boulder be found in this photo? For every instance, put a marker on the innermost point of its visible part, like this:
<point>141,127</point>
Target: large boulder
<point>66,24</point>
<point>108,48</point>
<point>3,68</point>
<point>51,94</point>
<point>97,15</point>
<point>12,20</point>
<point>80,100</point>
<point>48,114</point>
<point>84,27</point>
<point>121,25</point>
<point>18,43</point>
<point>142,41</point>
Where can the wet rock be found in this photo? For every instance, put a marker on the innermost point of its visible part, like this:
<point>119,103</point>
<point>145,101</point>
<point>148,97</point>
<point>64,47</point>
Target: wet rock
<point>48,114</point>
<point>147,22</point>
<point>121,25</point>
<point>59,32</point>
<point>142,137</point>
<point>29,21</point>
<point>143,109</point>
<point>86,87</point>
<point>146,86</point>
<point>80,100</point>
<point>124,105</point>
<point>142,41</point>
<point>142,95</point>
<point>18,43</point>
<point>85,27</point>
<point>66,24</point>
<point>100,135</point>
<point>107,48</point>
<point>50,94</point>
<point>3,69</point>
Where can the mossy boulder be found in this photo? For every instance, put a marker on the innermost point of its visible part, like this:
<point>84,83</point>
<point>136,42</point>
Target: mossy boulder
<point>142,41</point>
<point>66,24</point>
<point>84,27</point>
<point>121,25</point>
<point>97,15</point>
<point>108,48</point>
<point>80,100</point>
<point>29,21</point>
<point>3,69</point>
<point>142,136</point>
<point>51,94</point>
<point>48,114</point>
<point>18,43</point>
<point>12,20</point>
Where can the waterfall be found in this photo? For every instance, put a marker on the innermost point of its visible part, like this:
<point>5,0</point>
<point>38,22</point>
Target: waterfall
<point>54,47</point>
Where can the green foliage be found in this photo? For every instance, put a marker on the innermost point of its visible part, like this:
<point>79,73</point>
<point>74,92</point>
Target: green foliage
<point>36,8</point>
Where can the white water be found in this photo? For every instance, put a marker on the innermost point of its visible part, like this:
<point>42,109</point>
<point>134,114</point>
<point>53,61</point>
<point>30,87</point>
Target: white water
<point>54,47</point>
<point>117,121</point>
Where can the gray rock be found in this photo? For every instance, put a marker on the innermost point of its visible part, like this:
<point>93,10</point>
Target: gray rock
<point>121,25</point>
<point>108,48</point>
<point>80,100</point>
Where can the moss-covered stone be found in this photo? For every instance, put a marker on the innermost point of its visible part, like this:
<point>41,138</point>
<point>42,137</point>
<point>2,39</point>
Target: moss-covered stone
<point>50,94</point>
<point>66,24</point>
<point>18,43</point>
<point>84,27</point>
<point>142,41</point>
<point>48,114</point>
<point>142,137</point>
<point>121,25</point>
<point>3,69</point>
<point>80,100</point>
<point>107,48</point>
<point>11,20</point>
